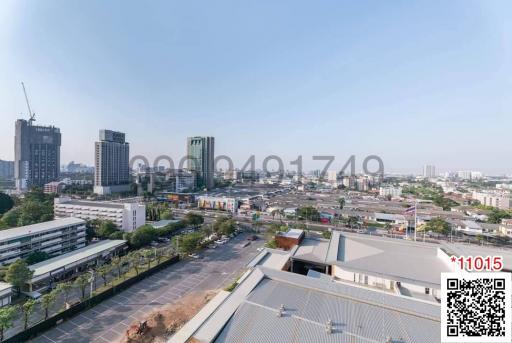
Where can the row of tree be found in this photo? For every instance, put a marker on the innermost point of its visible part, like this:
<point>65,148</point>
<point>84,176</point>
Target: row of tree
<point>18,274</point>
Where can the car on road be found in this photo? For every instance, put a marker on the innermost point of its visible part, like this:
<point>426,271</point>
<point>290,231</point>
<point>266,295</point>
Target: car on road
<point>196,256</point>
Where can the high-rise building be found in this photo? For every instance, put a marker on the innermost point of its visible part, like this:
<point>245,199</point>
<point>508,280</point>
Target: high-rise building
<point>111,163</point>
<point>36,154</point>
<point>6,169</point>
<point>200,153</point>
<point>429,171</point>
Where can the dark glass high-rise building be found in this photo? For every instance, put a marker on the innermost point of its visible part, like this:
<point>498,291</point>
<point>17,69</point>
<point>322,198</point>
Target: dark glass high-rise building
<point>200,153</point>
<point>36,154</point>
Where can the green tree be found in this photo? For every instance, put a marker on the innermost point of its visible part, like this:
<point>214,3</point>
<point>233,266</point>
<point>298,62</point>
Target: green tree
<point>6,203</point>
<point>143,236</point>
<point>11,217</point>
<point>166,215</point>
<point>438,225</point>
<point>47,300</point>
<point>194,219</point>
<point>308,213</point>
<point>27,309</point>
<point>36,257</point>
<point>18,274</point>
<point>7,314</point>
<point>189,243</point>
<point>224,226</point>
<point>341,201</point>
<point>106,229</point>
<point>326,234</point>
<point>65,288</point>
<point>103,271</point>
<point>81,282</point>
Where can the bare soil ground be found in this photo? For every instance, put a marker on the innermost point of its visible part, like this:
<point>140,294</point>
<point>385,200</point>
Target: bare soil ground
<point>164,322</point>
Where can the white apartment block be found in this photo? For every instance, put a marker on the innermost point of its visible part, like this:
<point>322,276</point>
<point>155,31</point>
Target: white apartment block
<point>126,216</point>
<point>390,190</point>
<point>53,237</point>
<point>494,199</point>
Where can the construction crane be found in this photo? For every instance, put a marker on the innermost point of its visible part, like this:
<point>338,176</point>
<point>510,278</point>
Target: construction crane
<point>32,116</point>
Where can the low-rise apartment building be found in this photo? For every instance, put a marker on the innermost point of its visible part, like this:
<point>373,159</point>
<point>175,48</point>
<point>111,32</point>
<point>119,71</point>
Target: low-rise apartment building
<point>53,237</point>
<point>390,191</point>
<point>126,216</point>
<point>499,200</point>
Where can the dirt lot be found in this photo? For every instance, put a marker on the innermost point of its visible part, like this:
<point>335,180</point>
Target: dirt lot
<point>163,323</point>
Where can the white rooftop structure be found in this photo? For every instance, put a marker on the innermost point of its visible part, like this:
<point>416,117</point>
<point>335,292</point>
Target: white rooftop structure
<point>30,230</point>
<point>405,261</point>
<point>292,233</point>
<point>43,269</point>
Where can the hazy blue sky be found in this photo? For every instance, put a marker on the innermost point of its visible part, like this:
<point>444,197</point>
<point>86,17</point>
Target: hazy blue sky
<point>413,81</point>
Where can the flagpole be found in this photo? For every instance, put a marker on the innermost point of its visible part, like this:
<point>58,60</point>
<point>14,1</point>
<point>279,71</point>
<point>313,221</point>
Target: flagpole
<point>415,217</point>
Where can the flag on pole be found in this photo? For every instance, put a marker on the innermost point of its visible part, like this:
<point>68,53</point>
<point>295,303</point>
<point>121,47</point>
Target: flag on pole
<point>410,210</point>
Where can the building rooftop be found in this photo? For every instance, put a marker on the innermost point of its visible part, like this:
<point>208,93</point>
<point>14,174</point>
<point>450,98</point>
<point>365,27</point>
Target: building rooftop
<point>104,204</point>
<point>406,261</point>
<point>5,286</point>
<point>312,249</point>
<point>29,230</point>
<point>73,257</point>
<point>251,313</point>
<point>292,233</point>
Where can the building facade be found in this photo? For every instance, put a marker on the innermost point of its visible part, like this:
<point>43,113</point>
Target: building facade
<point>126,216</point>
<point>53,237</point>
<point>429,171</point>
<point>36,154</point>
<point>201,157</point>
<point>111,163</point>
<point>390,191</point>
<point>499,200</point>
<point>6,169</point>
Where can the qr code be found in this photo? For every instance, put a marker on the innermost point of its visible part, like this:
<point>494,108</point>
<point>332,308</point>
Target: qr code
<point>476,307</point>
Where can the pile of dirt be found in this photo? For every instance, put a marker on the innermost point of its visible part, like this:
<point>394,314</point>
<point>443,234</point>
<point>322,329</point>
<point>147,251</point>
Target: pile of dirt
<point>166,321</point>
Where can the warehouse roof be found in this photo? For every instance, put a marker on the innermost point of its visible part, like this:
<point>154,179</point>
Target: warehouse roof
<point>251,313</point>
<point>33,229</point>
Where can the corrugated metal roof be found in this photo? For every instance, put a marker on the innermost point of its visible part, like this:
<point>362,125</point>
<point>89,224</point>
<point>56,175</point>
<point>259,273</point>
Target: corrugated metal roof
<point>85,253</point>
<point>357,315</point>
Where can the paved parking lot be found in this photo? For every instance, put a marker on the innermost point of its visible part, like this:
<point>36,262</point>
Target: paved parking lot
<point>109,320</point>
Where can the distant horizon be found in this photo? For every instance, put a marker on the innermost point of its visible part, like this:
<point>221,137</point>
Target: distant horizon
<point>413,82</point>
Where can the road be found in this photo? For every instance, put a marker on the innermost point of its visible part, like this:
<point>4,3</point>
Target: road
<point>108,321</point>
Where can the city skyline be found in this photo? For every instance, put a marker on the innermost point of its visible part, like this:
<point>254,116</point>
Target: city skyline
<point>353,83</point>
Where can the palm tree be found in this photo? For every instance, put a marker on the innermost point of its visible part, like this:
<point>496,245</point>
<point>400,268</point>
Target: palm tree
<point>81,282</point>
<point>7,314</point>
<point>125,260</point>
<point>27,309</point>
<point>103,272</point>
<point>47,301</point>
<point>117,263</point>
<point>135,260</point>
<point>64,287</point>
<point>148,254</point>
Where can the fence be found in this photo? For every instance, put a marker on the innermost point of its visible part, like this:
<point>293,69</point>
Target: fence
<point>44,325</point>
